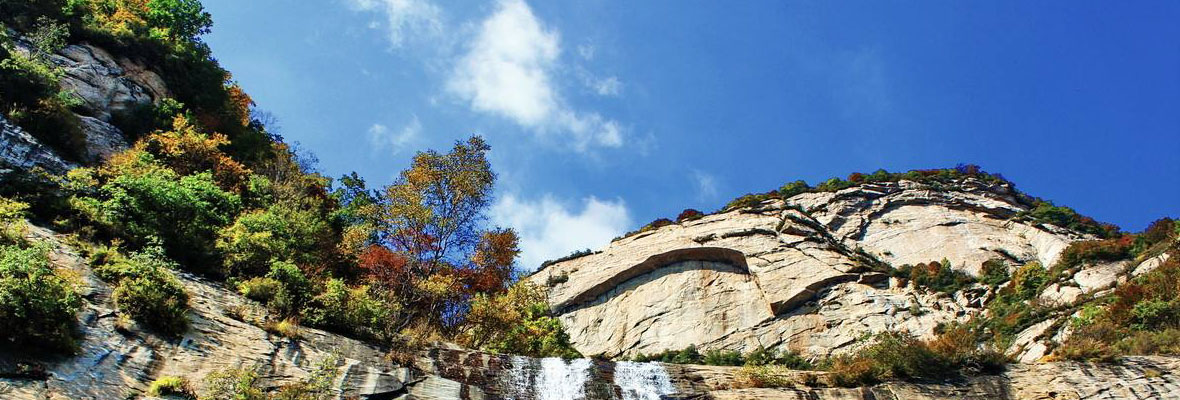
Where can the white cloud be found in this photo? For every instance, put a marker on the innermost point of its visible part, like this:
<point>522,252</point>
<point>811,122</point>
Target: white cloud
<point>548,229</point>
<point>706,185</point>
<point>404,18</point>
<point>380,137</point>
<point>508,71</point>
<point>586,51</point>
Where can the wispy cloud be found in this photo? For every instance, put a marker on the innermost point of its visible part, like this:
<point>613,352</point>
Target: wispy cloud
<point>706,185</point>
<point>609,86</point>
<point>381,137</point>
<point>403,18</point>
<point>508,71</point>
<point>549,229</point>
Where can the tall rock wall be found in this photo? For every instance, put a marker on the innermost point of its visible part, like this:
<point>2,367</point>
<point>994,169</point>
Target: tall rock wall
<point>803,274</point>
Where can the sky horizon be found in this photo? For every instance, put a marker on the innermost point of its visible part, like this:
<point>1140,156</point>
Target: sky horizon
<point>604,116</point>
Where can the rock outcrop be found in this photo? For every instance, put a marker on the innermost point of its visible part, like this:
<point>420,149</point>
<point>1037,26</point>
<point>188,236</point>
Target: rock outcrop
<point>113,363</point>
<point>806,274</point>
<point>106,86</point>
<point>19,149</point>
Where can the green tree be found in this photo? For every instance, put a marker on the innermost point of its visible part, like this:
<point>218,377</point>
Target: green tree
<point>181,19</point>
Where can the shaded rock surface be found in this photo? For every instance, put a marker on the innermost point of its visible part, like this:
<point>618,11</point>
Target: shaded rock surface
<point>21,150</point>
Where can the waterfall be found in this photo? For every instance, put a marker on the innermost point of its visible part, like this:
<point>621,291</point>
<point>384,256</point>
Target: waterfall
<point>553,379</point>
<point>642,381</point>
<point>559,380</point>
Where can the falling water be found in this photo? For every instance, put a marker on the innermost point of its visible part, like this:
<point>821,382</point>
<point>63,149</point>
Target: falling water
<point>519,379</point>
<point>559,380</point>
<point>642,381</point>
<point>552,379</point>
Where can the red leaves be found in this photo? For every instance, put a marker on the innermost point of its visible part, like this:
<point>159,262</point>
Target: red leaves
<point>383,266</point>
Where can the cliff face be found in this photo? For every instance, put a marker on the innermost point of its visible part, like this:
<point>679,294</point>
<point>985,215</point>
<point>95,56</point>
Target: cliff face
<point>799,274</point>
<point>105,86</point>
<point>116,363</point>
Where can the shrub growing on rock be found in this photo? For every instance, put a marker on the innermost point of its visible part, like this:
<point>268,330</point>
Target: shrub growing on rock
<point>147,291</point>
<point>173,386</point>
<point>37,306</point>
<point>689,215</point>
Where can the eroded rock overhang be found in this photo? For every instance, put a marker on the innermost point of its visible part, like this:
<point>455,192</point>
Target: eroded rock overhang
<point>652,263</point>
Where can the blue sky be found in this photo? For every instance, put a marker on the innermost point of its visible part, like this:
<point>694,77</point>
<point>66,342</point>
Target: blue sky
<point>605,115</point>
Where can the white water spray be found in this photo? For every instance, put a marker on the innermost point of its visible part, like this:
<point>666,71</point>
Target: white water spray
<point>642,381</point>
<point>559,380</point>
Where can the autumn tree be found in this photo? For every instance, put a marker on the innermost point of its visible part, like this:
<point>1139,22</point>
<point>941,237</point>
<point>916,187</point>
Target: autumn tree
<point>432,251</point>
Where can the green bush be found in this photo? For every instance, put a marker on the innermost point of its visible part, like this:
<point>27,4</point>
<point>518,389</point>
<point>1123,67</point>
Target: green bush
<point>901,356</point>
<point>147,291</point>
<point>33,99</point>
<point>295,291</point>
<point>232,384</point>
<point>171,386</point>
<point>12,221</point>
<point>279,232</point>
<point>184,212</point>
<point>260,289</point>
<point>938,276</point>
<point>37,305</point>
<point>351,310</point>
<point>788,359</point>
<point>994,272</point>
<point>723,357</point>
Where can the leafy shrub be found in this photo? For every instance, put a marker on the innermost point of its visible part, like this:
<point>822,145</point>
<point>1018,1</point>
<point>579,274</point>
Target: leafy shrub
<point>994,272</point>
<point>33,99</point>
<point>936,275</point>
<point>178,19</point>
<point>517,322</point>
<point>575,255</point>
<point>171,386</point>
<point>687,355</point>
<point>144,200</point>
<point>12,221</point>
<point>1089,251</point>
<point>147,291</point>
<point>260,289</point>
<point>351,310</point>
<point>793,188</point>
<point>763,376</point>
<point>748,201</point>
<point>1140,317</point>
<point>1065,217</point>
<point>689,215</point>
<point>145,118</point>
<point>723,357</point>
<point>788,359</point>
<point>295,288</point>
<point>287,327</point>
<point>233,384</point>
<point>279,232</point>
<point>37,306</point>
<point>893,356</point>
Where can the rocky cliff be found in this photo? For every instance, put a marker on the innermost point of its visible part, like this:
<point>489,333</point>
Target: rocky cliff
<point>121,362</point>
<point>809,273</point>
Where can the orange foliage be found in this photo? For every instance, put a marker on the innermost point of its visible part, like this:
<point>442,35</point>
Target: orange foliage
<point>187,151</point>
<point>493,261</point>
